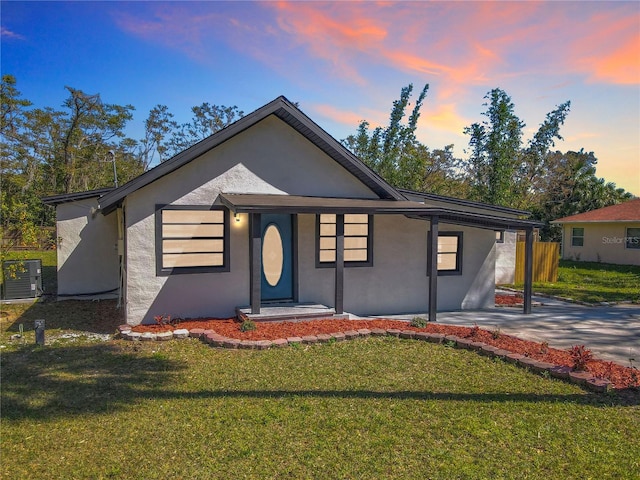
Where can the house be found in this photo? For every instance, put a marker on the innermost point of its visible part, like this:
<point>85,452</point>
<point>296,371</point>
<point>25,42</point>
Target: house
<point>610,234</point>
<point>273,209</point>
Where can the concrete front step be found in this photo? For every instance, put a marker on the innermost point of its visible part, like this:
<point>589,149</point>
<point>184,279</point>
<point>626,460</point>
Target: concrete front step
<point>290,311</point>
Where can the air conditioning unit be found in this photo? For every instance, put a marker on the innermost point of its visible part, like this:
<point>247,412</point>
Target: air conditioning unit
<point>22,278</point>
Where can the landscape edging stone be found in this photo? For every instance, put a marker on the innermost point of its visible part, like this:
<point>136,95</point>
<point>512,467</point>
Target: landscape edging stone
<point>561,372</point>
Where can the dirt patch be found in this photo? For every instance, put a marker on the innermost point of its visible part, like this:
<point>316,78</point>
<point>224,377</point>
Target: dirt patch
<point>621,377</point>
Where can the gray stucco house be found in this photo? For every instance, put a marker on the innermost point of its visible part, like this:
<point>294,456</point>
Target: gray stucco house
<point>273,209</point>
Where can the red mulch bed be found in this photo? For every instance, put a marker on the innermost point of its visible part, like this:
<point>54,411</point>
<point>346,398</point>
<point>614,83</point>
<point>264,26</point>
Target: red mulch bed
<point>621,377</point>
<point>509,300</point>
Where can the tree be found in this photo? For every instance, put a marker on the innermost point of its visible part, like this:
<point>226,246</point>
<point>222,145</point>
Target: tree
<point>495,150</point>
<point>570,186</point>
<point>17,219</point>
<point>392,152</point>
<point>158,126</point>
<point>207,119</point>
<point>47,151</point>
<point>500,170</point>
<point>398,157</point>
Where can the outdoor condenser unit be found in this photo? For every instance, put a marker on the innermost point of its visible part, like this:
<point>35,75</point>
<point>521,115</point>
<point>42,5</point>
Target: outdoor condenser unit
<point>22,278</point>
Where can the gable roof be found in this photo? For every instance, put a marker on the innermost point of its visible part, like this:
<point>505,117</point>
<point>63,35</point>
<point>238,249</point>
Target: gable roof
<point>288,113</point>
<point>628,211</point>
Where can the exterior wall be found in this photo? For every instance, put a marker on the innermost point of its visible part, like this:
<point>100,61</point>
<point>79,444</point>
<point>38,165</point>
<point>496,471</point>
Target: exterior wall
<point>506,259</point>
<point>270,158</point>
<point>603,242</point>
<point>397,282</point>
<point>87,248</point>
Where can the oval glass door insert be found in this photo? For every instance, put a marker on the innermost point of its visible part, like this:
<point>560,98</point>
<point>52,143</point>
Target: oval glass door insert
<point>272,255</point>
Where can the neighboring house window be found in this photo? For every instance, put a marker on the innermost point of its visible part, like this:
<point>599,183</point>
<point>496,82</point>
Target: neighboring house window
<point>449,253</point>
<point>191,239</point>
<point>358,235</point>
<point>633,238</point>
<point>577,237</point>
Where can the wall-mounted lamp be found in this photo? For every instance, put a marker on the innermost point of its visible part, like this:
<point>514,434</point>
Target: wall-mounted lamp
<point>237,217</point>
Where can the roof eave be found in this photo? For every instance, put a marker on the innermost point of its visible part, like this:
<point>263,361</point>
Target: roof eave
<point>74,197</point>
<point>465,202</point>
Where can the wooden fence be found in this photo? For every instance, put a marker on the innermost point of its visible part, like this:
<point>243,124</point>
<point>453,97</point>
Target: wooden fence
<point>546,256</point>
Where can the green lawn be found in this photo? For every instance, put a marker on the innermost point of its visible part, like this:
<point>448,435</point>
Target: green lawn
<point>594,282</point>
<point>370,408</point>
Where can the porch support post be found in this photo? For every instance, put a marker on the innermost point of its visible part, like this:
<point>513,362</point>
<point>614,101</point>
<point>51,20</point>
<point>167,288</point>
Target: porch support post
<point>432,261</point>
<point>339,300</point>
<point>528,270</point>
<point>255,259</point>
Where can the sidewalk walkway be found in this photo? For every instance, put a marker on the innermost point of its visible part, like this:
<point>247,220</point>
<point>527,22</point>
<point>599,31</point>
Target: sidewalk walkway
<point>611,333</point>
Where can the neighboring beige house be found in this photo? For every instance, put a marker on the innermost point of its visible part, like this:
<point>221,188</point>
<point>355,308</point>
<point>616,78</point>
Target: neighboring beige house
<point>609,235</point>
<point>273,210</point>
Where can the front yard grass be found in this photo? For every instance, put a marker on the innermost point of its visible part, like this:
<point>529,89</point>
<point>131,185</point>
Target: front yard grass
<point>594,282</point>
<point>369,408</point>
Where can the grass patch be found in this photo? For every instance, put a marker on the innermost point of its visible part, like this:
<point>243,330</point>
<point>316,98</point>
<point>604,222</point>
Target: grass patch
<point>374,408</point>
<point>594,282</point>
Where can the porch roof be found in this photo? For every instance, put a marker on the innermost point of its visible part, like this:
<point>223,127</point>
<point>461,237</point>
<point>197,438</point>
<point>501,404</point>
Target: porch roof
<point>264,203</point>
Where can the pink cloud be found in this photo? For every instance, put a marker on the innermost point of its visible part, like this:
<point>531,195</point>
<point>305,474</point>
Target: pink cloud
<point>446,118</point>
<point>460,44</point>
<point>350,118</point>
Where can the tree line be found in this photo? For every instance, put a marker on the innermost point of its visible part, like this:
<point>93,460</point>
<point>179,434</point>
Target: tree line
<point>48,151</point>
<point>500,168</point>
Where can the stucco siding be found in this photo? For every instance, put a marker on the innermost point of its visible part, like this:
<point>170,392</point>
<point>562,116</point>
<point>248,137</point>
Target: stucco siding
<point>397,282</point>
<point>86,249</point>
<point>603,242</point>
<point>270,158</point>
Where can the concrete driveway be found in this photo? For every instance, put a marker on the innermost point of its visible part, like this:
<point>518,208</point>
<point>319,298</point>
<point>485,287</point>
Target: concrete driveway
<point>611,333</point>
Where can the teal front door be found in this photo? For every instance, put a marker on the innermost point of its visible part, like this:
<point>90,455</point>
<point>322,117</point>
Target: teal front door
<point>277,257</point>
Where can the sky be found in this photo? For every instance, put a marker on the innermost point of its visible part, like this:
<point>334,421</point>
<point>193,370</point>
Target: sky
<point>344,62</point>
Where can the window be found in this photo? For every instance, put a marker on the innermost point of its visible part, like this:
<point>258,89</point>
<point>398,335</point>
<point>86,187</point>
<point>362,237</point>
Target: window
<point>633,238</point>
<point>500,236</point>
<point>358,234</point>
<point>191,239</point>
<point>449,253</point>
<point>577,237</point>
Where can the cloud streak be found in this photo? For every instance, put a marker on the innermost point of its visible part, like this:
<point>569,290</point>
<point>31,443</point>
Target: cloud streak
<point>5,33</point>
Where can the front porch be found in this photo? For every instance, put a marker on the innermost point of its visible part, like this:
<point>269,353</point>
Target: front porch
<point>259,205</point>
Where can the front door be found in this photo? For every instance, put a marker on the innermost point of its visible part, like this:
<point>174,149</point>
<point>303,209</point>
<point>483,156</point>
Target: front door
<point>277,257</point>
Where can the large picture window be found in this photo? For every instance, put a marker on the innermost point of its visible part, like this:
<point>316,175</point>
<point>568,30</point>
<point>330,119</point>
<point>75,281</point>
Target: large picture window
<point>191,239</point>
<point>449,253</point>
<point>577,237</point>
<point>633,238</point>
<point>358,234</point>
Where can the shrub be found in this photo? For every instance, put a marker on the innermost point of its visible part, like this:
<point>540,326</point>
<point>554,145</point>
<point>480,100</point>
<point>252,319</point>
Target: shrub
<point>580,355</point>
<point>418,322</point>
<point>248,325</point>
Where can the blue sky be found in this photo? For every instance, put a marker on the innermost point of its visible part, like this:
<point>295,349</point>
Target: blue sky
<point>347,61</point>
